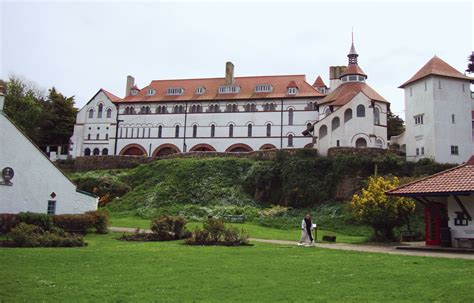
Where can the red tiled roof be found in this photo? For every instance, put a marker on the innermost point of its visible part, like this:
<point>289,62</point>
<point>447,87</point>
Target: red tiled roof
<point>353,69</point>
<point>348,90</point>
<point>111,96</point>
<point>319,82</point>
<point>438,67</point>
<point>459,179</point>
<point>211,85</point>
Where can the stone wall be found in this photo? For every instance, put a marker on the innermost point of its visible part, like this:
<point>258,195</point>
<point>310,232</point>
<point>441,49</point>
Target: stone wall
<point>368,151</point>
<point>101,162</point>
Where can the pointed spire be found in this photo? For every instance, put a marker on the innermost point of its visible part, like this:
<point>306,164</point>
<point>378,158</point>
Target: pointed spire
<point>352,53</point>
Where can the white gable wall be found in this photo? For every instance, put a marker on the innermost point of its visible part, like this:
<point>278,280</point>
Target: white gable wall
<point>35,178</point>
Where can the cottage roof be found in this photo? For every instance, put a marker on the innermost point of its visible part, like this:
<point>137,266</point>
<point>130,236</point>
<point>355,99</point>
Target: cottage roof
<point>457,180</point>
<point>345,92</point>
<point>437,67</point>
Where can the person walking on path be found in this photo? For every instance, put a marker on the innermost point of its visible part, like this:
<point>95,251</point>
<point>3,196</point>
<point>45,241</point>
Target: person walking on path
<point>306,228</point>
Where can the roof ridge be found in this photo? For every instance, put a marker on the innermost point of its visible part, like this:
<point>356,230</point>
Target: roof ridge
<point>240,77</point>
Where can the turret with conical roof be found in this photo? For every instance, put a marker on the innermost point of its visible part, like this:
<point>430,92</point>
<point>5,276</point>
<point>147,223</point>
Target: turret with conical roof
<point>353,72</point>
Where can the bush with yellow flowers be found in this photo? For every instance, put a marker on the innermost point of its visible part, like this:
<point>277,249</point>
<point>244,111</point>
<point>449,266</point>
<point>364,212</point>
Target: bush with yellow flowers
<point>381,212</point>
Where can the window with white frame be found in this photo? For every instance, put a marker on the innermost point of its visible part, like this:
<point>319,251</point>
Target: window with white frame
<point>174,91</point>
<point>418,119</point>
<point>454,150</point>
<point>151,92</point>
<point>292,90</point>
<point>134,92</point>
<point>51,207</point>
<point>200,90</point>
<point>229,89</point>
<point>263,88</point>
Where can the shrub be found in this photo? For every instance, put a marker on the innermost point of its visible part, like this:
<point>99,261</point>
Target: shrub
<point>43,221</point>
<point>170,228</point>
<point>75,223</point>
<point>7,222</point>
<point>28,235</point>
<point>214,232</point>
<point>105,187</point>
<point>25,235</point>
<point>381,212</point>
<point>101,220</point>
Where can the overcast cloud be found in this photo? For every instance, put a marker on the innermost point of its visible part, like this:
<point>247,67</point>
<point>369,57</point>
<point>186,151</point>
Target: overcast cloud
<point>81,47</point>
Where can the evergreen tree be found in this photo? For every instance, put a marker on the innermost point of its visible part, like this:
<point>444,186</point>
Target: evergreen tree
<point>58,119</point>
<point>23,106</point>
<point>395,125</point>
<point>470,65</point>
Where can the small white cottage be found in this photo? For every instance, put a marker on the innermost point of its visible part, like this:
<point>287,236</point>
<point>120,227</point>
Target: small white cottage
<point>29,181</point>
<point>448,200</point>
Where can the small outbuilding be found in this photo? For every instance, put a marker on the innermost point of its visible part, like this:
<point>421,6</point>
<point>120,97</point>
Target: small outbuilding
<point>29,181</point>
<point>448,200</point>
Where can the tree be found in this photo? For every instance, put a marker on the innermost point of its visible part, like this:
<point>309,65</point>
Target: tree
<point>381,212</point>
<point>470,65</point>
<point>395,125</point>
<point>22,106</point>
<point>58,119</point>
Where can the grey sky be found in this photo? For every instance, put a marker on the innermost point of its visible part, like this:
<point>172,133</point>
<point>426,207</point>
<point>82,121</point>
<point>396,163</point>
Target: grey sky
<point>81,47</point>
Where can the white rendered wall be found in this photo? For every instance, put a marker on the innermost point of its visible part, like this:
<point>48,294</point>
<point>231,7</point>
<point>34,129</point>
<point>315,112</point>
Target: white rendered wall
<point>357,127</point>
<point>35,178</point>
<point>461,231</point>
<point>94,126</point>
<point>438,133</point>
<point>221,142</point>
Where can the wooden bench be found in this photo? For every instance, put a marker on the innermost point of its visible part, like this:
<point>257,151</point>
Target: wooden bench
<point>460,240</point>
<point>407,236</point>
<point>234,218</point>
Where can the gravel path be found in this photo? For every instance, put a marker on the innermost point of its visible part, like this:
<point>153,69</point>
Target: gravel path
<point>352,247</point>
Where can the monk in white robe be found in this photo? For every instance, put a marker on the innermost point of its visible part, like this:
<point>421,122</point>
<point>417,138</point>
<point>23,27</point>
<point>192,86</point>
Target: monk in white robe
<point>306,231</point>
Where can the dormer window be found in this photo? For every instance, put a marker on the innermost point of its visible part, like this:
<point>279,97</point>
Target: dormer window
<point>229,89</point>
<point>263,88</point>
<point>292,90</point>
<point>134,92</point>
<point>151,92</point>
<point>174,91</point>
<point>200,90</point>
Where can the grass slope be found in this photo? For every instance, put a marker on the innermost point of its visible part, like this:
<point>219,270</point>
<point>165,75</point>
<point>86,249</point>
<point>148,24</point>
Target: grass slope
<point>115,271</point>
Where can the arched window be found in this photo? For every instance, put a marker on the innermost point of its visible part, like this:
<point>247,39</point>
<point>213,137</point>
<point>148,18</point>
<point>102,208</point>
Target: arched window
<point>127,111</point>
<point>290,140</point>
<point>87,152</point>
<point>91,113</point>
<point>361,143</point>
<point>290,117</point>
<point>360,110</point>
<point>88,136</point>
<point>147,110</point>
<point>160,131</point>
<point>336,122</point>
<point>269,130</point>
<point>193,108</point>
<point>106,136</point>
<point>327,111</point>
<point>249,130</point>
<point>96,151</point>
<point>198,108</point>
<point>247,107</point>
<point>109,113</point>
<point>347,115</point>
<point>195,131</point>
<point>213,131</point>
<point>253,107</point>
<point>143,110</point>
<point>378,143</point>
<point>308,125</point>
<point>99,111</point>
<point>176,131</point>
<point>376,116</point>
<point>97,137</point>
<point>231,130</point>
<point>323,131</point>
<point>105,152</point>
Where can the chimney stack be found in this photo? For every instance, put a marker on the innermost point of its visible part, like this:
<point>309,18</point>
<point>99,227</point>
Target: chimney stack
<point>229,73</point>
<point>335,73</point>
<point>2,97</point>
<point>130,84</point>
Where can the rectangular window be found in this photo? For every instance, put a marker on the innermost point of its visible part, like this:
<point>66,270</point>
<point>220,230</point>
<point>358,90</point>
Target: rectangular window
<point>439,84</point>
<point>292,91</point>
<point>454,150</point>
<point>174,91</point>
<point>263,88</point>
<point>418,119</point>
<point>422,150</point>
<point>338,143</point>
<point>51,207</point>
<point>453,118</point>
<point>417,151</point>
<point>229,89</point>
<point>460,219</point>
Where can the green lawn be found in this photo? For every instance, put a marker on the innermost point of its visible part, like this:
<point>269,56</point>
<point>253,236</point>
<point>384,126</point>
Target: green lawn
<point>115,271</point>
<point>253,230</point>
